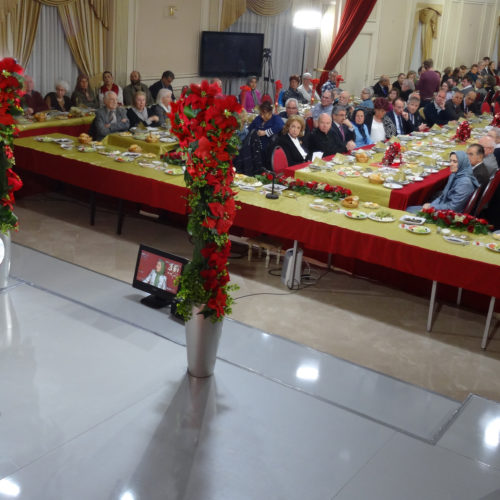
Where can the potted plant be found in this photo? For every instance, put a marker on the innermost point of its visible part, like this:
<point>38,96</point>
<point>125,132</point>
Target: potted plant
<point>11,84</point>
<point>205,122</point>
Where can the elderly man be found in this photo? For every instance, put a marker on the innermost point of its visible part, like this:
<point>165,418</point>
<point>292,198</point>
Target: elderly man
<point>470,105</point>
<point>429,81</point>
<point>306,89</point>
<point>382,87</point>
<point>343,130</point>
<point>291,108</point>
<point>475,152</point>
<point>435,111</point>
<point>110,118</point>
<point>453,106</point>
<point>165,82</point>
<point>407,87</point>
<point>136,86</point>
<point>331,83</point>
<point>324,106</point>
<point>494,132</point>
<point>489,160</point>
<point>467,85</point>
<point>322,138</point>
<point>32,101</point>
<point>400,117</point>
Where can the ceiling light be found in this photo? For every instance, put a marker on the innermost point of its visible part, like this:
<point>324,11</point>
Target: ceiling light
<point>307,19</point>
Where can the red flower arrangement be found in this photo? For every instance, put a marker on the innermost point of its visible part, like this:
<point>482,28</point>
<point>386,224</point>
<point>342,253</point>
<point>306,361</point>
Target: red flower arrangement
<point>339,79</point>
<point>278,86</point>
<point>463,132</point>
<point>391,153</point>
<point>461,222</point>
<point>205,123</point>
<point>314,83</point>
<point>496,120</point>
<point>173,158</point>
<point>318,189</point>
<point>11,84</point>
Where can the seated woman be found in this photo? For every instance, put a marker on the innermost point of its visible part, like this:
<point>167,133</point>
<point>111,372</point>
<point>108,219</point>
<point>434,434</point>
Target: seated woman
<point>459,188</point>
<point>360,129</point>
<point>291,141</point>
<point>266,124</point>
<point>58,100</point>
<point>139,114</point>
<point>162,106</point>
<point>83,96</point>
<point>366,98</point>
<point>381,126</point>
<point>109,85</point>
<point>32,101</point>
<point>251,98</point>
<point>393,95</point>
<point>292,90</point>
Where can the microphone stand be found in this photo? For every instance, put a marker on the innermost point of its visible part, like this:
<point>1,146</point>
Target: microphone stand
<point>272,195</point>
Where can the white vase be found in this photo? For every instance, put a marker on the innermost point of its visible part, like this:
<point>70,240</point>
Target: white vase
<point>202,341</point>
<point>4,259</point>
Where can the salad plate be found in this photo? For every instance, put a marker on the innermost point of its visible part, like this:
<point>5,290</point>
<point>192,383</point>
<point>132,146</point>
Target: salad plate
<point>418,229</point>
<point>381,216</point>
<point>356,214</point>
<point>412,219</point>
<point>494,247</point>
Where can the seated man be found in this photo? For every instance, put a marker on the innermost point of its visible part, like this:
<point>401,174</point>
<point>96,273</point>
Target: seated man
<point>306,89</point>
<point>343,100</point>
<point>453,106</point>
<point>343,130</point>
<point>136,86</point>
<point>331,83</point>
<point>489,159</point>
<point>470,105</point>
<point>32,101</point>
<point>466,85</point>
<point>324,106</point>
<point>321,138</point>
<point>475,152</point>
<point>382,87</point>
<point>400,117</point>
<point>291,108</point>
<point>110,118</point>
<point>165,82</point>
<point>435,111</point>
<point>413,115</point>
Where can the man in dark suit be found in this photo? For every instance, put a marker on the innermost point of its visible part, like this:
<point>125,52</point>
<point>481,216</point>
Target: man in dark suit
<point>489,159</point>
<point>413,115</point>
<point>164,83</point>
<point>322,138</point>
<point>475,152</point>
<point>453,106</point>
<point>111,118</point>
<point>435,111</point>
<point>343,130</point>
<point>400,117</point>
<point>470,105</point>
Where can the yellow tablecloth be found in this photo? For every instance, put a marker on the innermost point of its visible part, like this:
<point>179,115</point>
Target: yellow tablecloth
<point>149,147</point>
<point>84,120</point>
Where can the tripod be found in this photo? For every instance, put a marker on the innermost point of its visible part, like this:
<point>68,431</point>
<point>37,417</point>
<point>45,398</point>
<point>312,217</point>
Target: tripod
<point>267,70</point>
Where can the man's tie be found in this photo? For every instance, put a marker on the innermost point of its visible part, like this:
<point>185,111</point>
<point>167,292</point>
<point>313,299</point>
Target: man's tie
<point>341,129</point>
<point>400,124</point>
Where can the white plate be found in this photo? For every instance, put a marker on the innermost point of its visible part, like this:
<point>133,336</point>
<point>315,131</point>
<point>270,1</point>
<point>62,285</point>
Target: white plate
<point>456,239</point>
<point>252,185</point>
<point>319,208</point>
<point>67,147</point>
<point>392,185</point>
<point>494,247</point>
<point>168,139</point>
<point>372,216</point>
<point>246,188</point>
<point>63,141</point>
<point>129,154</point>
<point>355,214</point>
<point>146,165</point>
<point>415,178</point>
<point>412,219</point>
<point>277,187</point>
<point>416,229</point>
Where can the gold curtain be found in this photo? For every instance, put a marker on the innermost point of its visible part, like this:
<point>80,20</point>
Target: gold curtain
<point>101,11</point>
<point>427,14</point>
<point>6,7</point>
<point>429,19</point>
<point>55,3</point>
<point>24,23</point>
<point>85,36</point>
<point>232,10</point>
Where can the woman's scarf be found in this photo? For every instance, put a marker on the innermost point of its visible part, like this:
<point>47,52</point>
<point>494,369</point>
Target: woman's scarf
<point>105,89</point>
<point>143,115</point>
<point>360,127</point>
<point>464,170</point>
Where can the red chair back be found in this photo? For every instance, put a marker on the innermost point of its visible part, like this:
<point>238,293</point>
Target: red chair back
<point>497,107</point>
<point>485,108</point>
<point>310,123</point>
<point>279,160</point>
<point>471,204</point>
<point>489,190</point>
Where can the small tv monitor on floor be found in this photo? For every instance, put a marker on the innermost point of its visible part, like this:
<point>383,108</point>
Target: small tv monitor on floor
<point>155,273</point>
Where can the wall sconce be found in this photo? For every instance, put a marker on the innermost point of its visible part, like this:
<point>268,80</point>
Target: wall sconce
<point>171,10</point>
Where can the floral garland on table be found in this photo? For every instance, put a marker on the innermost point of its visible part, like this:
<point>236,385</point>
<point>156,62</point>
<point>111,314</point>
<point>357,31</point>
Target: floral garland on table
<point>173,158</point>
<point>463,131</point>
<point>11,84</point>
<point>314,83</point>
<point>496,120</point>
<point>451,219</point>
<point>320,189</point>
<point>391,152</point>
<point>278,85</point>
<point>205,123</point>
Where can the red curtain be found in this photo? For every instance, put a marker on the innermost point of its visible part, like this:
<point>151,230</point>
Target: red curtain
<point>354,17</point>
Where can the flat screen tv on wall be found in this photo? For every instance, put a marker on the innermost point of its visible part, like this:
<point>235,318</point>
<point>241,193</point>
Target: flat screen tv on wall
<point>231,54</point>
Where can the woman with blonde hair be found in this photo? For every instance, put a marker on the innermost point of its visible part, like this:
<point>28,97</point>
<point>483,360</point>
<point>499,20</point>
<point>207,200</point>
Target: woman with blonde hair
<point>291,140</point>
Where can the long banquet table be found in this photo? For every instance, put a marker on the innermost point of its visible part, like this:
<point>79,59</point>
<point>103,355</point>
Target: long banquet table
<point>471,267</point>
<point>70,126</point>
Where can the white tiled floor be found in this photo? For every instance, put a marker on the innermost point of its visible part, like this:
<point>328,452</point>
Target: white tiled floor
<point>95,404</point>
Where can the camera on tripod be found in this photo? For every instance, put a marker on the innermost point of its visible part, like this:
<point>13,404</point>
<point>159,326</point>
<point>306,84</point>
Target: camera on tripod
<point>266,53</point>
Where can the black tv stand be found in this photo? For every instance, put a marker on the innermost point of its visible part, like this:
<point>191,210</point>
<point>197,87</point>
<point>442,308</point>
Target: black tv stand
<point>155,302</point>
